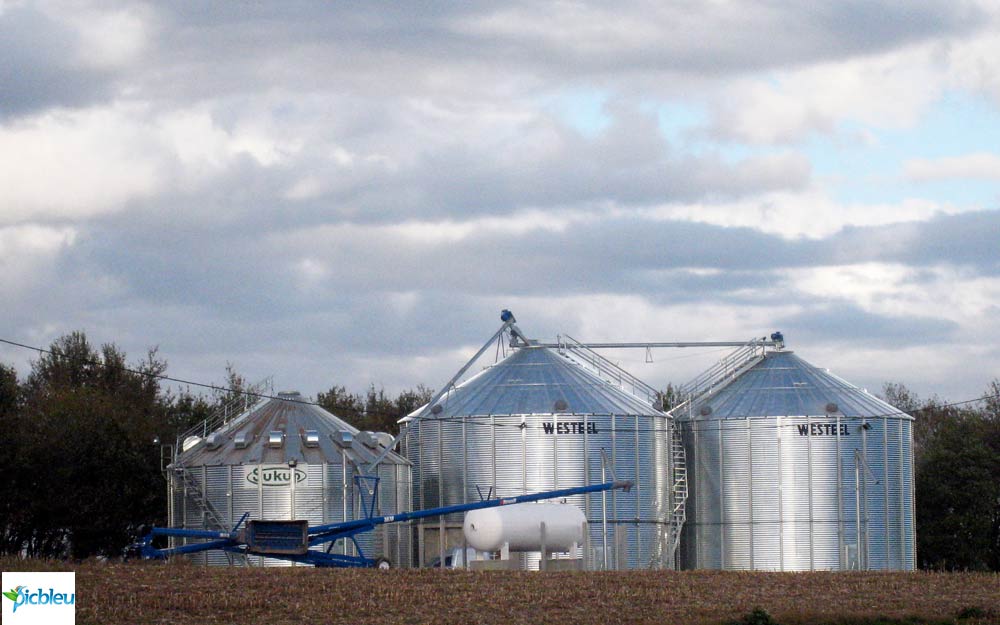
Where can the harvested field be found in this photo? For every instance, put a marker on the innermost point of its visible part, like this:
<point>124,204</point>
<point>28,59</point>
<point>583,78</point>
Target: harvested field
<point>185,594</point>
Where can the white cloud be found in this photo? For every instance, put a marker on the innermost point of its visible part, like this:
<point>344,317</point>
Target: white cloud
<point>33,239</point>
<point>891,90</point>
<point>310,272</point>
<point>204,146</point>
<point>75,164</point>
<point>78,164</point>
<point>982,166</point>
<point>401,176</point>
<point>812,213</point>
<point>110,39</point>
<point>897,290</point>
<point>28,253</point>
<point>972,60</point>
<point>925,369</point>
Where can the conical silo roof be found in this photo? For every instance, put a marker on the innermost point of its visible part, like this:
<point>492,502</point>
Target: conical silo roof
<point>285,429</point>
<point>538,380</point>
<point>782,384</point>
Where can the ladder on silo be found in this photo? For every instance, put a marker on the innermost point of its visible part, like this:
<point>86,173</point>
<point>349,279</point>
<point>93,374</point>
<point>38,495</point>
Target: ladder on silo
<point>227,412</point>
<point>211,518</point>
<point>606,370</point>
<point>727,369</point>
<point>221,416</point>
<point>678,494</point>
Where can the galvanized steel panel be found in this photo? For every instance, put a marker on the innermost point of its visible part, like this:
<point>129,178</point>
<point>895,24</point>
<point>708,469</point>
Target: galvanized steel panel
<point>792,450</point>
<point>268,488</point>
<point>514,441</point>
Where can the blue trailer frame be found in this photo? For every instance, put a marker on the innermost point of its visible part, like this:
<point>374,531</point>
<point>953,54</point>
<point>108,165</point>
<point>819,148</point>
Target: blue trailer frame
<point>291,540</point>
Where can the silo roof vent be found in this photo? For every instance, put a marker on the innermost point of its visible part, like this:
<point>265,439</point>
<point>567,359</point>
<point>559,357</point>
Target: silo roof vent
<point>243,440</point>
<point>310,438</point>
<point>276,431</point>
<point>366,438</point>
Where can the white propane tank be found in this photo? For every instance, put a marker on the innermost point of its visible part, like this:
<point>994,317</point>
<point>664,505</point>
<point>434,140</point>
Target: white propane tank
<point>520,525</point>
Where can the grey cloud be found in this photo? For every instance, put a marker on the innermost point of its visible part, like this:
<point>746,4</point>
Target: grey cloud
<point>629,163</point>
<point>435,171</point>
<point>968,239</point>
<point>251,276</point>
<point>212,294</point>
<point>39,67</point>
<point>442,51</point>
<point>212,274</point>
<point>253,273</point>
<point>381,48</point>
<point>837,321</point>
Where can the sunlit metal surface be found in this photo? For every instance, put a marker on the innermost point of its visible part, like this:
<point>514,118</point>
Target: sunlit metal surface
<point>792,468</point>
<point>535,421</point>
<point>309,476</point>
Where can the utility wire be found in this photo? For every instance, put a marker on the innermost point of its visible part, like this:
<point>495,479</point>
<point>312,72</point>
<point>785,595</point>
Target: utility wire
<point>474,419</point>
<point>160,376</point>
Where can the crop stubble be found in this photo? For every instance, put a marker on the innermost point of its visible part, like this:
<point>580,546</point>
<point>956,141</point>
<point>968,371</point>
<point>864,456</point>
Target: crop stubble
<point>186,594</point>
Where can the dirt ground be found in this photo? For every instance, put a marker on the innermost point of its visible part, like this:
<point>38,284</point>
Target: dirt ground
<point>109,593</point>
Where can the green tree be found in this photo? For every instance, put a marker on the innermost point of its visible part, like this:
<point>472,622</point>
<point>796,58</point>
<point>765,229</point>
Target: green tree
<point>183,410</point>
<point>409,400</point>
<point>340,402</point>
<point>991,414</point>
<point>10,394</point>
<point>669,397</point>
<point>958,489</point>
<point>236,388</point>
<point>375,410</point>
<point>87,467</point>
<point>929,415</point>
<point>957,479</point>
<point>993,400</point>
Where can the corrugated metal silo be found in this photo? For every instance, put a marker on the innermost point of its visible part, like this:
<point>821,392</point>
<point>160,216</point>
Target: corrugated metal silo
<point>539,420</point>
<point>793,468</point>
<point>285,459</point>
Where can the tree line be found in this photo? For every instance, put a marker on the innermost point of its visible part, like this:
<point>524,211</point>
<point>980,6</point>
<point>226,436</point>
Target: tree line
<point>81,435</point>
<point>956,458</point>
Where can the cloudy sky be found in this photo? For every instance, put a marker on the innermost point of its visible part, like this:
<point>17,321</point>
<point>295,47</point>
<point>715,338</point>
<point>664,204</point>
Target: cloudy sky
<point>350,192</point>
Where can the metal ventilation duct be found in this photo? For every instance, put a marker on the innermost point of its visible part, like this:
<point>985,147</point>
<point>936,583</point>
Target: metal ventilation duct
<point>310,438</point>
<point>275,439</point>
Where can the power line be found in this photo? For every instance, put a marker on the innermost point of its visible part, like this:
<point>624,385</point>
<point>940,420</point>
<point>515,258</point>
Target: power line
<point>213,387</point>
<point>160,376</point>
<point>472,419</point>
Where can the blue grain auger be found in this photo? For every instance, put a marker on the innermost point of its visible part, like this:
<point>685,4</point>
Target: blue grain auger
<point>298,542</point>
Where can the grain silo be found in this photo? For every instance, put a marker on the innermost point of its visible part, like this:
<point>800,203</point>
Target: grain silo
<point>286,459</point>
<point>793,468</point>
<point>540,419</point>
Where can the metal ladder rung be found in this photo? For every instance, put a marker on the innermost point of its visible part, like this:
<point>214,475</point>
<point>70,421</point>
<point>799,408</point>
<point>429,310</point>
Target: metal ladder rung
<point>193,490</point>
